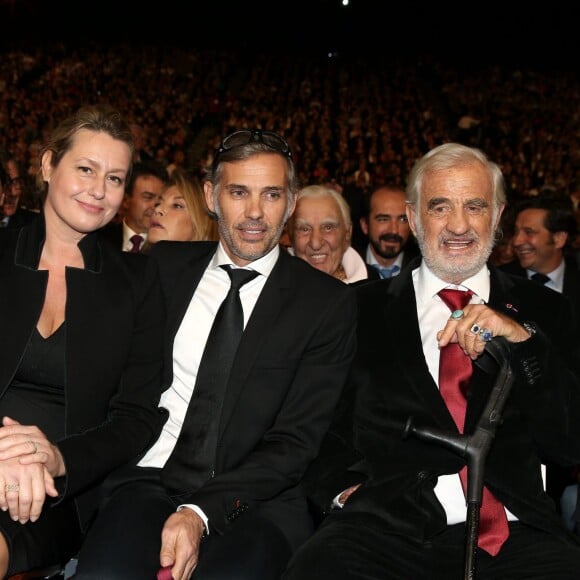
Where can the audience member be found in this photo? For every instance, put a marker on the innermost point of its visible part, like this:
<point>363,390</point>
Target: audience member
<point>180,213</point>
<point>391,245</point>
<point>544,231</point>
<point>224,501</point>
<point>400,507</point>
<point>144,186</point>
<point>320,231</point>
<point>81,347</point>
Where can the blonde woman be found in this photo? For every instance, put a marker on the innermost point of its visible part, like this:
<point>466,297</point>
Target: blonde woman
<point>180,213</point>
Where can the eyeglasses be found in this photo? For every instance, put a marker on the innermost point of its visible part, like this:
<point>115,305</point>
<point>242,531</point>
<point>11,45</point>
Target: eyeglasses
<point>241,138</point>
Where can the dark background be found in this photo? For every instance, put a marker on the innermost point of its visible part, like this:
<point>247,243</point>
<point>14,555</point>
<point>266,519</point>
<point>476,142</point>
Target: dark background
<point>466,32</point>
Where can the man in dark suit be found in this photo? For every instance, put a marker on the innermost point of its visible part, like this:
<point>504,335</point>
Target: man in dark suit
<point>144,186</point>
<point>544,231</point>
<point>400,510</point>
<point>11,214</point>
<point>247,518</point>
<point>391,245</point>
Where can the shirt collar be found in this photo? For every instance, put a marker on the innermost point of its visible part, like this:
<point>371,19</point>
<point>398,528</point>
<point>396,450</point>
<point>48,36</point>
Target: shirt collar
<point>263,265</point>
<point>556,276</point>
<point>428,284</point>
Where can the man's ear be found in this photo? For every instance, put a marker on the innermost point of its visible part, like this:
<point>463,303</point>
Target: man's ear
<point>364,225</point>
<point>560,239</point>
<point>411,216</point>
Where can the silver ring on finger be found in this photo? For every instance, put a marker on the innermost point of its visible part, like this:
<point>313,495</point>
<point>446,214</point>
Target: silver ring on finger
<point>475,328</point>
<point>34,446</point>
<point>12,487</point>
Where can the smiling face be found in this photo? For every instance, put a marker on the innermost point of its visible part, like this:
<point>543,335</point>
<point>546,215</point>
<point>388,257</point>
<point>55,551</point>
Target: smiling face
<point>171,219</point>
<point>455,221</point>
<point>252,205</point>
<point>320,235</point>
<point>86,188</point>
<point>536,247</point>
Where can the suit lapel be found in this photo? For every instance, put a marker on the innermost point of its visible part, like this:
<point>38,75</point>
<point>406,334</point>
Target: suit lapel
<point>183,293</point>
<point>401,313</point>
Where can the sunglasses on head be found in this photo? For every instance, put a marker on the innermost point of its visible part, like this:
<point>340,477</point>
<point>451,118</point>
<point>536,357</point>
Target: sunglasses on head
<point>241,138</point>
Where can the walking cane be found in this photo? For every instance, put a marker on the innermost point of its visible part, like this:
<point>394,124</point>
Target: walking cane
<point>474,448</point>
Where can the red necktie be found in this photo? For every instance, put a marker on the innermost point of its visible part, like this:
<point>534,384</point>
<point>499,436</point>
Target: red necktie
<point>454,374</point>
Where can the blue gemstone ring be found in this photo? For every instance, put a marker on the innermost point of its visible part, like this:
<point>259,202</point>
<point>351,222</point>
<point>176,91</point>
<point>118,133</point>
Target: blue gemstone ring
<point>475,329</point>
<point>485,334</point>
<point>457,314</point>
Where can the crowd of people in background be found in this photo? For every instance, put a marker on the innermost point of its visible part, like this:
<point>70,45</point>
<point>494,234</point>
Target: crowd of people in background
<point>352,123</point>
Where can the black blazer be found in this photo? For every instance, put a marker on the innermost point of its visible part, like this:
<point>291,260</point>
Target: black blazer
<point>570,288</point>
<point>113,234</point>
<point>114,332</point>
<point>390,382</point>
<point>21,217</point>
<point>288,374</point>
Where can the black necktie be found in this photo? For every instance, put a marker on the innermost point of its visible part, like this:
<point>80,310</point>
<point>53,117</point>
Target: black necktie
<point>540,278</point>
<point>193,459</point>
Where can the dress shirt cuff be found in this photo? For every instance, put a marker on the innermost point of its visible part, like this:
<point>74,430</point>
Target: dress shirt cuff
<point>336,504</point>
<point>198,511</point>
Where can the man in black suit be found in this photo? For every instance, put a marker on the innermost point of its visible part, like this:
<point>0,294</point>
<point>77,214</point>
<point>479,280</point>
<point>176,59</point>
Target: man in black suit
<point>11,214</point>
<point>400,510</point>
<point>391,244</point>
<point>250,515</point>
<point>544,230</point>
<point>144,186</point>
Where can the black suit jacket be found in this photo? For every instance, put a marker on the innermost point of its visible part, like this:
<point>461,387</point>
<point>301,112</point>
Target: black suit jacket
<point>113,352</point>
<point>289,371</point>
<point>390,382</point>
<point>570,288</point>
<point>557,477</point>
<point>21,217</point>
<point>113,234</point>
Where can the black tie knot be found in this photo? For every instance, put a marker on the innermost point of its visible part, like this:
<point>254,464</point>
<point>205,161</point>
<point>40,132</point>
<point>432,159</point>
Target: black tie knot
<point>540,278</point>
<point>239,276</point>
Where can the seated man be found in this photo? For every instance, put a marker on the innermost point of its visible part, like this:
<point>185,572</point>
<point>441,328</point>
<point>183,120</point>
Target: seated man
<point>218,495</point>
<point>400,509</point>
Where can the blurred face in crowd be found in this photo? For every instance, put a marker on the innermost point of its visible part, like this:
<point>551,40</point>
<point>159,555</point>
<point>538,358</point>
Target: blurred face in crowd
<point>536,247</point>
<point>171,219</point>
<point>252,205</point>
<point>320,234</point>
<point>455,221</point>
<point>138,204</point>
<point>86,188</point>
<point>387,226</point>
<point>12,191</point>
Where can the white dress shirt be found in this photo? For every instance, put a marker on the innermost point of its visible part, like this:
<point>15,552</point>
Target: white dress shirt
<point>433,314</point>
<point>190,342</point>
<point>128,233</point>
<point>556,276</point>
